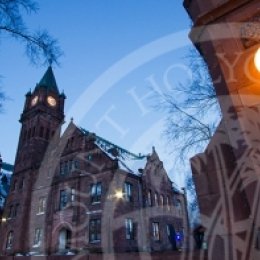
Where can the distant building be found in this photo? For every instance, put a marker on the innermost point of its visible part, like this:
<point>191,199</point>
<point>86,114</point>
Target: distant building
<point>81,193</point>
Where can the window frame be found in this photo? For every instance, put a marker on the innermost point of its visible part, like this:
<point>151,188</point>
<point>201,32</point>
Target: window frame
<point>37,240</point>
<point>9,240</point>
<point>95,230</point>
<point>63,200</point>
<point>156,231</point>
<point>96,192</point>
<point>128,191</point>
<point>41,205</point>
<point>149,199</point>
<point>129,229</point>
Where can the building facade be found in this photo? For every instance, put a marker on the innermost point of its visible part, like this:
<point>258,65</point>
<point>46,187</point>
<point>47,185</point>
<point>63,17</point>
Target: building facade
<point>80,193</point>
<point>226,174</point>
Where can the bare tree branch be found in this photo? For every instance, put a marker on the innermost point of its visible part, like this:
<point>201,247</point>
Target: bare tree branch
<point>40,47</point>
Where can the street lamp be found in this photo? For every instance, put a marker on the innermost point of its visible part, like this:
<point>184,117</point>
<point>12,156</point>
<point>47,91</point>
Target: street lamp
<point>257,59</point>
<point>119,194</point>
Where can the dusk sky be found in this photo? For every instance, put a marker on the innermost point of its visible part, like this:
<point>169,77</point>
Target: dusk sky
<point>115,52</point>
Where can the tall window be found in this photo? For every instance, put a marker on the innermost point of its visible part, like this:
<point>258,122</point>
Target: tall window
<point>15,210</point>
<point>179,207</point>
<point>162,200</point>
<point>63,199</point>
<point>149,198</point>
<point>128,191</point>
<point>76,164</point>
<point>73,195</point>
<point>9,240</point>
<point>168,203</point>
<point>61,168</point>
<point>95,230</point>
<point>37,237</point>
<point>70,165</point>
<point>65,168</point>
<point>96,191</point>
<point>156,203</point>
<point>129,228</point>
<point>155,230</point>
<point>10,213</point>
<point>41,205</point>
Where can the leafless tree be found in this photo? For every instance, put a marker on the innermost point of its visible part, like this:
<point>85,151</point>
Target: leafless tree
<point>192,110</point>
<point>40,47</point>
<point>193,114</point>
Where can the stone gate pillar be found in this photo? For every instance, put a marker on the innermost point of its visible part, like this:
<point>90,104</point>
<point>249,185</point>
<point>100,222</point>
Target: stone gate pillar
<point>227,174</point>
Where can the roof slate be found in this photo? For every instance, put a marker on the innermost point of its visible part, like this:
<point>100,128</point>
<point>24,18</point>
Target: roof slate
<point>48,81</point>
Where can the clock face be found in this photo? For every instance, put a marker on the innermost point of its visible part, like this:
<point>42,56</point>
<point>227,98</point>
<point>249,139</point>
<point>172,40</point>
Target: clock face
<point>34,100</point>
<point>51,101</point>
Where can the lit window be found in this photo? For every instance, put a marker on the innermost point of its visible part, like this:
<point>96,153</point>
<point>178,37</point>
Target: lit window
<point>95,230</point>
<point>149,198</point>
<point>156,199</point>
<point>9,241</point>
<point>73,195</point>
<point>129,228</point>
<point>96,191</point>
<point>37,237</point>
<point>89,157</point>
<point>128,191</point>
<point>63,199</point>
<point>41,205</point>
<point>155,230</point>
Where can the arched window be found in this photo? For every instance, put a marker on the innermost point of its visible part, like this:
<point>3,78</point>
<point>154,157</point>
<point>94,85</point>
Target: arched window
<point>64,239</point>
<point>149,198</point>
<point>156,202</point>
<point>9,240</point>
<point>179,207</point>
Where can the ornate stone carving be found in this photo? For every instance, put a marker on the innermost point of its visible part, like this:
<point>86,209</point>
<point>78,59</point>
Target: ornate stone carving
<point>250,31</point>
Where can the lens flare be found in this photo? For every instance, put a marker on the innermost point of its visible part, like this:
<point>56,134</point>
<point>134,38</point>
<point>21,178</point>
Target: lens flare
<point>257,59</point>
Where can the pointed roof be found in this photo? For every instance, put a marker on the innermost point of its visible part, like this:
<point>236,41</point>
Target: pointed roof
<point>48,81</point>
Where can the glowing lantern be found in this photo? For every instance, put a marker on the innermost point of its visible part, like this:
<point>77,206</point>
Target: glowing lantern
<point>257,59</point>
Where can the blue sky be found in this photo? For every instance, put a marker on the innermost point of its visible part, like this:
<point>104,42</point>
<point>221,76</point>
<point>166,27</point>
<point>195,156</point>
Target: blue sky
<point>115,52</point>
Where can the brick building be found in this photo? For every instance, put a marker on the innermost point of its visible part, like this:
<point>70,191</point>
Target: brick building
<point>226,174</point>
<point>80,193</point>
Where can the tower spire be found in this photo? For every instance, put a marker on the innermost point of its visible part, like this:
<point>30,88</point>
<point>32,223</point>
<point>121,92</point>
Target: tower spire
<point>48,81</point>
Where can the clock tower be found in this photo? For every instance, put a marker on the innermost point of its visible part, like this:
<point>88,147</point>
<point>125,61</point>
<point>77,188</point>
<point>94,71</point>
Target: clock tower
<point>41,119</point>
